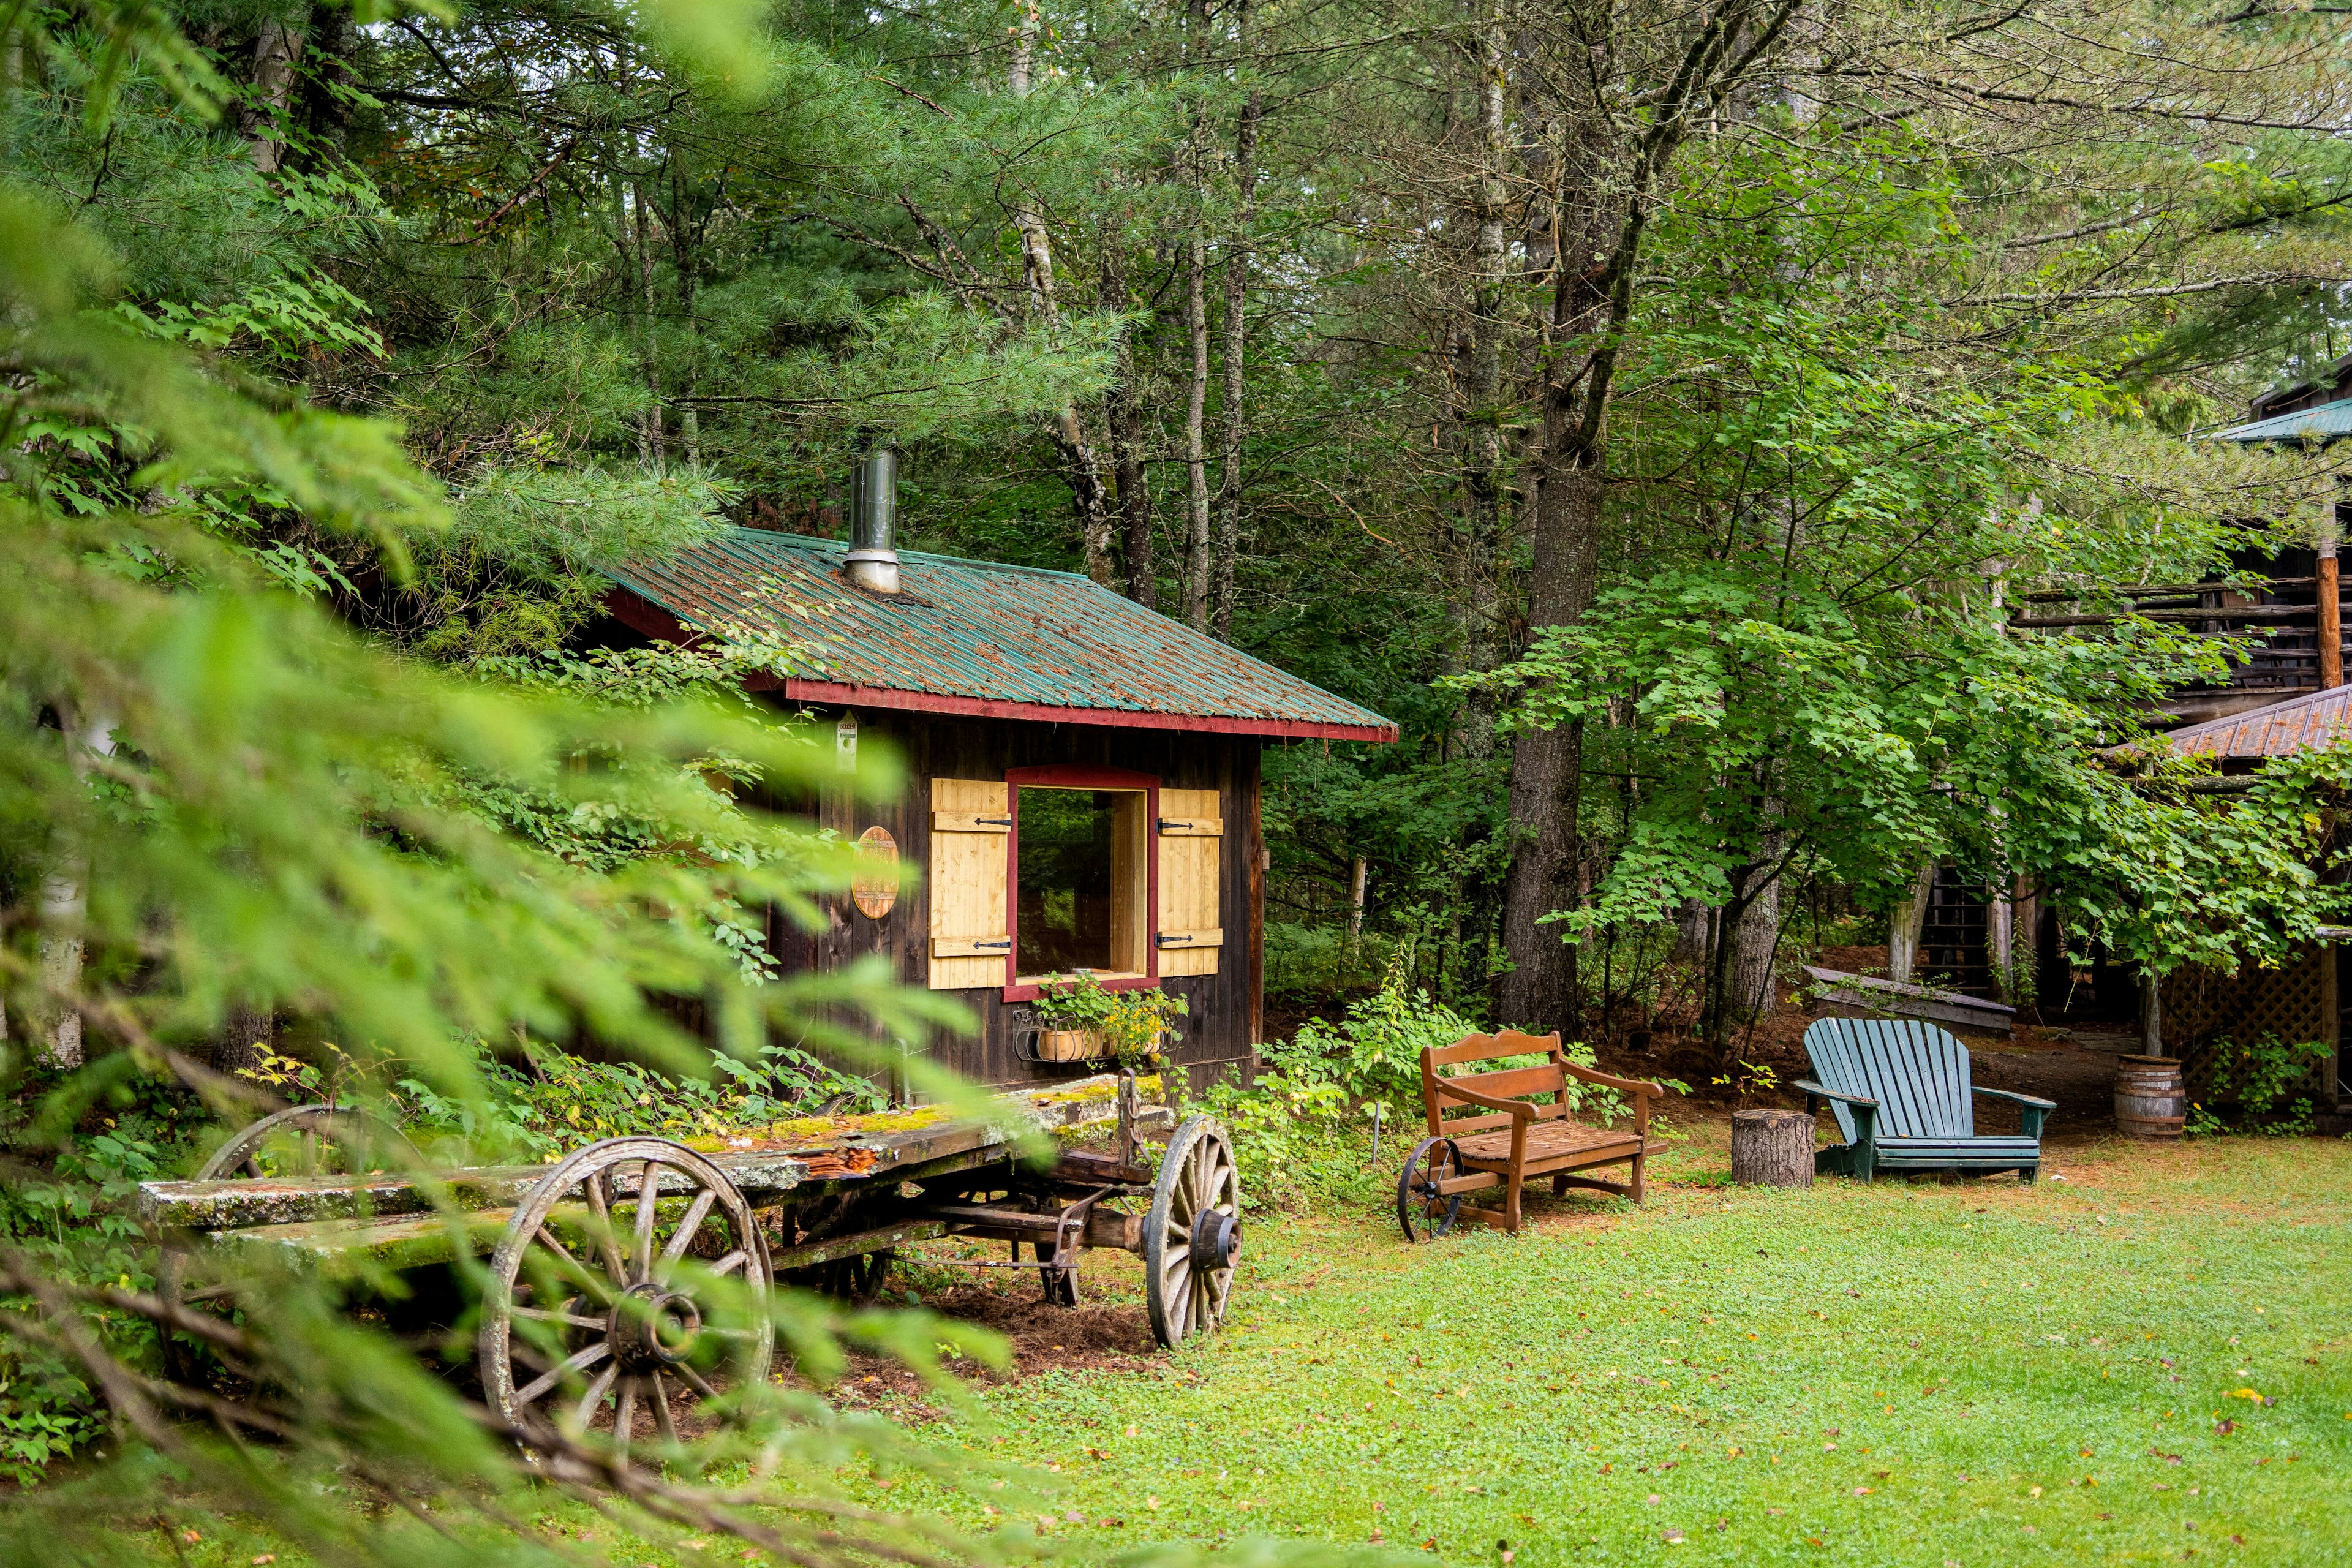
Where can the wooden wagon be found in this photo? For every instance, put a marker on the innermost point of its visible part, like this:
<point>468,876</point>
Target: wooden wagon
<point>633,1274</point>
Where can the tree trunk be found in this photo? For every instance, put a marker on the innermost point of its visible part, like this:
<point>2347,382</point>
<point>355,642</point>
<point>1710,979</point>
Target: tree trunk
<point>246,1032</point>
<point>1772,1148</point>
<point>1237,264</point>
<point>655,445</point>
<point>1123,417</point>
<point>1482,416</point>
<point>65,902</point>
<point>682,237</point>
<point>276,52</point>
<point>1088,499</point>
<point>1903,923</point>
<point>1751,995</point>
<point>1197,561</point>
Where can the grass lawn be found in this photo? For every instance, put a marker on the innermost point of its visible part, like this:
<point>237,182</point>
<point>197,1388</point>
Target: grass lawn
<point>1907,1373</point>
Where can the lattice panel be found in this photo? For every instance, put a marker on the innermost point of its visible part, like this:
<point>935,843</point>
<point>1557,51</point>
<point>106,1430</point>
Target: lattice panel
<point>2201,1005</point>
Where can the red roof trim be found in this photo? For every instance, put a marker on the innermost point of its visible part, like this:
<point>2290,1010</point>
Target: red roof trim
<point>843,696</point>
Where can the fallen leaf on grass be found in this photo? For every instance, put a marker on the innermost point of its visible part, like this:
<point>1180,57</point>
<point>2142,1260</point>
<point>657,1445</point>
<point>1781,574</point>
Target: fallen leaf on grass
<point>1672,1538</point>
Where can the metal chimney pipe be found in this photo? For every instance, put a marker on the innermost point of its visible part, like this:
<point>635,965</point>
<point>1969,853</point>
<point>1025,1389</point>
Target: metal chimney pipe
<point>873,560</point>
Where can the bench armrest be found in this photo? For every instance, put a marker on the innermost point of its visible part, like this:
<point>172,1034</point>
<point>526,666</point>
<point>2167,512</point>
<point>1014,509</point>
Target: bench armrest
<point>1630,1085</point>
<point>1518,1107</point>
<point>1818,1092</point>
<point>2025,1099</point>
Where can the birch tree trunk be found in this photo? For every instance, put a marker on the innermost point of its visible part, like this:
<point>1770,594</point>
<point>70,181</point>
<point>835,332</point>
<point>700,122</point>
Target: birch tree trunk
<point>65,902</point>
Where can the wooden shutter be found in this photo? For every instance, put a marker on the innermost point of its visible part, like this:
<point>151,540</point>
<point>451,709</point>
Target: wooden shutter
<point>1192,835</point>
<point>971,937</point>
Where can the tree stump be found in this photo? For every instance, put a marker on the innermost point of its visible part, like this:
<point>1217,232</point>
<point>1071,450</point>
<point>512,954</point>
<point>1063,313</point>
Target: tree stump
<point>1772,1148</point>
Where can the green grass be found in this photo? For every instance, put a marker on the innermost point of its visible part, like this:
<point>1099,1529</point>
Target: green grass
<point>1907,1373</point>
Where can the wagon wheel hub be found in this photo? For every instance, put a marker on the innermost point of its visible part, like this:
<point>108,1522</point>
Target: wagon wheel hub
<point>1216,1239</point>
<point>650,1328</point>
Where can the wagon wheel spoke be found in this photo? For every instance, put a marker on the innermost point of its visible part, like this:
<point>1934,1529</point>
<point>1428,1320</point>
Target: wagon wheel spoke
<point>608,1246</point>
<point>732,1262</point>
<point>579,1360</point>
<point>624,1416</point>
<point>597,1283</point>
<point>689,1226</point>
<point>641,1243</point>
<point>598,1388</point>
<point>663,1417</point>
<point>695,1381</point>
<point>556,1315</point>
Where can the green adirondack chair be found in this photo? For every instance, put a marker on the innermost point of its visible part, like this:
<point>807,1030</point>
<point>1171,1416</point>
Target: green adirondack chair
<point>1901,1094</point>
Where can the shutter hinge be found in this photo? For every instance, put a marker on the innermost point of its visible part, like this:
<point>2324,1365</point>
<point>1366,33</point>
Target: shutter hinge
<point>995,821</point>
<point>1164,824</point>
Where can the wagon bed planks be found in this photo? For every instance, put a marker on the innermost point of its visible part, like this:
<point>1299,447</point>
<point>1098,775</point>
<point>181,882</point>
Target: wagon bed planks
<point>397,1211</point>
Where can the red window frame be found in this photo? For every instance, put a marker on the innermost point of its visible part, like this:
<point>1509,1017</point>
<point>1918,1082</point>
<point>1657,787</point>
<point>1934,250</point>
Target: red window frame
<point>1076,776</point>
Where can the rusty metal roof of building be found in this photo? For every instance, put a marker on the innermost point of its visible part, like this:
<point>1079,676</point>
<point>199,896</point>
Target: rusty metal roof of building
<point>971,638</point>
<point>2315,718</point>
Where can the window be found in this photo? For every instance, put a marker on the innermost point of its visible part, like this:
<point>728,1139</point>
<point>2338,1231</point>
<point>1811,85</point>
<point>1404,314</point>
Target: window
<point>1079,868</point>
<point>1059,869</point>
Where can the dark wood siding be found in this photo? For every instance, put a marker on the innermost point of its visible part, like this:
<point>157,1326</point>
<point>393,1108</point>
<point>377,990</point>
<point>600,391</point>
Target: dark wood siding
<point>1222,1027</point>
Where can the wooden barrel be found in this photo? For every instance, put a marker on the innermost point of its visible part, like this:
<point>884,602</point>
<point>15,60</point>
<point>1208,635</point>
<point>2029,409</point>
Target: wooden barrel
<point>2151,1101</point>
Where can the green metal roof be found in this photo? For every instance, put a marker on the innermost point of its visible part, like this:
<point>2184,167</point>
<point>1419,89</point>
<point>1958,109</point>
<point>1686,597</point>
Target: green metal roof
<point>972,637</point>
<point>2322,424</point>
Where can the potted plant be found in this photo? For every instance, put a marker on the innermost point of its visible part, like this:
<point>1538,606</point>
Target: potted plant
<point>1080,1020</point>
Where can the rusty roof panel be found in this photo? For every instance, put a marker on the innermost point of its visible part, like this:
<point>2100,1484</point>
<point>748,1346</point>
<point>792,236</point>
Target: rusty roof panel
<point>969,631</point>
<point>2315,718</point>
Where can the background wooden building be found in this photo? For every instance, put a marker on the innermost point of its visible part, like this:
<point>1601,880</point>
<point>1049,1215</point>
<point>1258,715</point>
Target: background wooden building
<point>1125,742</point>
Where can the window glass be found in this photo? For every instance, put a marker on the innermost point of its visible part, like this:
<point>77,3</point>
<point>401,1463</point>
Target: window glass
<point>1064,918</point>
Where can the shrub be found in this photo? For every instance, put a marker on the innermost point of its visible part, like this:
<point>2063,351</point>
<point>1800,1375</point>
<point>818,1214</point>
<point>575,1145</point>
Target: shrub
<point>2254,1079</point>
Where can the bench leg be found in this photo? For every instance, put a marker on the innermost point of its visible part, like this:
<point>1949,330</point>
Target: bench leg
<point>1635,1187</point>
<point>1559,1185</point>
<point>1511,1202</point>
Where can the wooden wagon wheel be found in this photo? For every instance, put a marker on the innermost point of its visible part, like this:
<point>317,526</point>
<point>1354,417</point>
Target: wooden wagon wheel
<point>633,1274</point>
<point>300,1141</point>
<point>1193,1234</point>
<point>1425,1211</point>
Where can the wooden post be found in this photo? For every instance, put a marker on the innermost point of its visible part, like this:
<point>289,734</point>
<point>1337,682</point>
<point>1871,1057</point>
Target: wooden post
<point>2151,1013</point>
<point>2331,611</point>
<point>2331,1026</point>
<point>1772,1148</point>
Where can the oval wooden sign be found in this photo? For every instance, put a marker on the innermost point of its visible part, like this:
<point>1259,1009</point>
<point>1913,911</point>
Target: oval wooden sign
<point>874,885</point>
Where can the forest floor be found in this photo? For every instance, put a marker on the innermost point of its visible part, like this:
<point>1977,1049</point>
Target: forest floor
<point>2147,1356</point>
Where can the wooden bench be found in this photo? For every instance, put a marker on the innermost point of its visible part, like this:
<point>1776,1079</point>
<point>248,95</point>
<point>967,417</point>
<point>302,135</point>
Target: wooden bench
<point>1902,1096</point>
<point>1507,1138</point>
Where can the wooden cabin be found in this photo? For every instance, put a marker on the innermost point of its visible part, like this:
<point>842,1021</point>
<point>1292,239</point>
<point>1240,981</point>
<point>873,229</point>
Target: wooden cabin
<point>1082,777</point>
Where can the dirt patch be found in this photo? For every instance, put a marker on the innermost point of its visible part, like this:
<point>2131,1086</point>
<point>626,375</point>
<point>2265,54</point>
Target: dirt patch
<point>1089,1337</point>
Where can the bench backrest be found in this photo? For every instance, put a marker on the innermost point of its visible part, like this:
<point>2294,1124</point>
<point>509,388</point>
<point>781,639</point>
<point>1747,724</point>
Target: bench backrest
<point>1916,1072</point>
<point>1508,1083</point>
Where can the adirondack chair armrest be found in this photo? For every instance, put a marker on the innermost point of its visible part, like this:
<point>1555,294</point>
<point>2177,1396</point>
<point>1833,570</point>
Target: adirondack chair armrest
<point>1516,1108</point>
<point>2036,1110</point>
<point>2025,1099</point>
<point>1863,1155</point>
<point>1606,1081</point>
